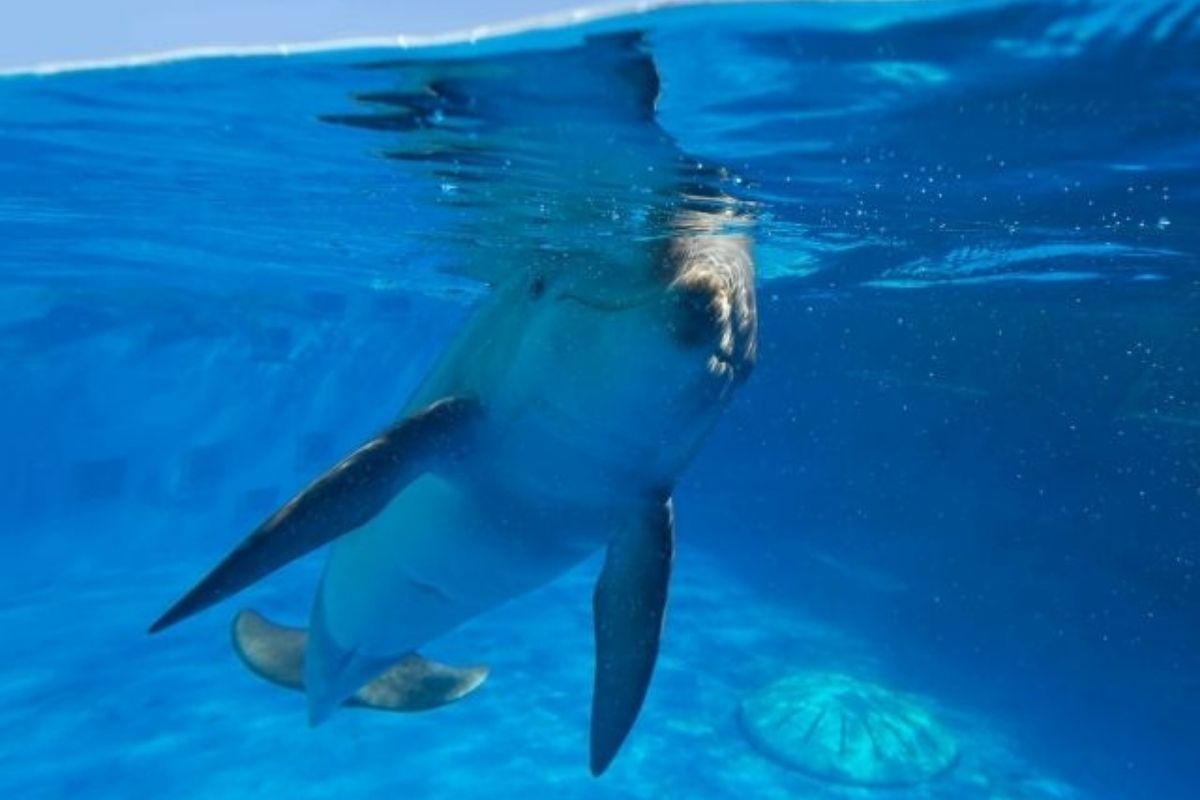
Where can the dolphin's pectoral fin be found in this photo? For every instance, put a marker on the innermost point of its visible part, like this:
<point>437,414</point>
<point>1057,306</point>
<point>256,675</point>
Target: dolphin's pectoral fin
<point>628,608</point>
<point>344,498</point>
<point>276,653</point>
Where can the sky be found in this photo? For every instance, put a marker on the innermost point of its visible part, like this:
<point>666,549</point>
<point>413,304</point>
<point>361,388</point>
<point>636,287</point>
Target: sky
<point>69,30</point>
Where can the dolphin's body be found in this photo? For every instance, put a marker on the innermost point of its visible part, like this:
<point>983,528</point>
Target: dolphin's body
<point>555,424</point>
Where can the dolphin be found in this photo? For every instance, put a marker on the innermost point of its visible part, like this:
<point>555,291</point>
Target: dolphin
<point>555,424</point>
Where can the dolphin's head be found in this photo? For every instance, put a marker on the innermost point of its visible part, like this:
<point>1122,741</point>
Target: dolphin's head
<point>696,299</point>
<point>634,363</point>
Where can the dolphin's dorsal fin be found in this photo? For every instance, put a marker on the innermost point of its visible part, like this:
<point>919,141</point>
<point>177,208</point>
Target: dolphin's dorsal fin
<point>628,608</point>
<point>344,498</point>
<point>276,653</point>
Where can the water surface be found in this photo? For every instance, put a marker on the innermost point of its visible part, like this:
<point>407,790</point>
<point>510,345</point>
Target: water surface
<point>968,465</point>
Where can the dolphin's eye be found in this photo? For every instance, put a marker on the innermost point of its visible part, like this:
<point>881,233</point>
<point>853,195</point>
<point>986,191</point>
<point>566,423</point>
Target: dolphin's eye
<point>538,287</point>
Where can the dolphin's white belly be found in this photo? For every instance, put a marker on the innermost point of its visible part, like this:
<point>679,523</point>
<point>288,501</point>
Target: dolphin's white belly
<point>442,552</point>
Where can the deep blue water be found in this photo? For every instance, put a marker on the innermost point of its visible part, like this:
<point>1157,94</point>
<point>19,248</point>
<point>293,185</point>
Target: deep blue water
<point>967,465</point>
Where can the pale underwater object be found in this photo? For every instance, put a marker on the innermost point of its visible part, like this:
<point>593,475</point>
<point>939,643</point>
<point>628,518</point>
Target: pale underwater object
<point>843,730</point>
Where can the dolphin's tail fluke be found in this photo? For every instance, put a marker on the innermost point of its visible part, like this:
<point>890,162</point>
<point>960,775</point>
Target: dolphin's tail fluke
<point>343,499</point>
<point>276,653</point>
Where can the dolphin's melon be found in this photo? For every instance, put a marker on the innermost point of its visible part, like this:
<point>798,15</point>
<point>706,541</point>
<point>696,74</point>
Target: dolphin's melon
<point>839,729</point>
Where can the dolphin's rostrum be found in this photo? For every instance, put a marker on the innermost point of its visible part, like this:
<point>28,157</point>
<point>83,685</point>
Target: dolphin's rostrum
<point>556,423</point>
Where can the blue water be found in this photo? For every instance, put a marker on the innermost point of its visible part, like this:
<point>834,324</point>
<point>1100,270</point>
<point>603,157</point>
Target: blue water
<point>966,467</point>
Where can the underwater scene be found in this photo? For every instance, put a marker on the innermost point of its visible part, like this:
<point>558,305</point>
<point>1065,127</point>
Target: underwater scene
<point>751,400</point>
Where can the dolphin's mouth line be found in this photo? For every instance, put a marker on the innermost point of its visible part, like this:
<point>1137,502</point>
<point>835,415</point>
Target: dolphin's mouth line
<point>720,362</point>
<point>614,305</point>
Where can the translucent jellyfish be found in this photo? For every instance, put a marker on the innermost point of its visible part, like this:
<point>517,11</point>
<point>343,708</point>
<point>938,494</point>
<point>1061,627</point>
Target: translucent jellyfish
<point>847,731</point>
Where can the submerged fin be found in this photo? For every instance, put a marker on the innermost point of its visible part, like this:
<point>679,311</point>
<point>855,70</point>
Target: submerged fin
<point>628,607</point>
<point>332,673</point>
<point>344,498</point>
<point>276,653</point>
